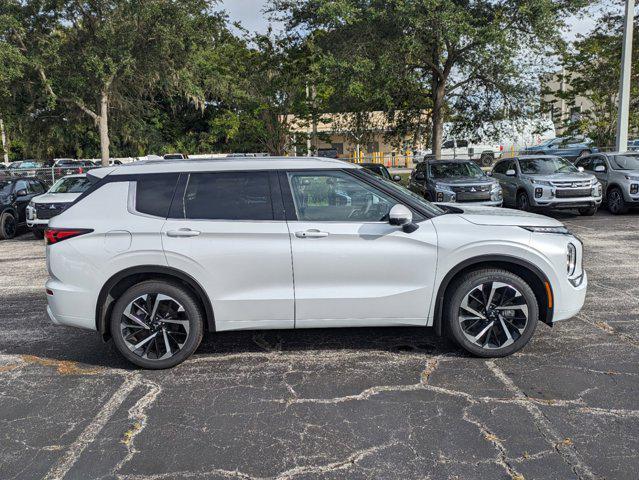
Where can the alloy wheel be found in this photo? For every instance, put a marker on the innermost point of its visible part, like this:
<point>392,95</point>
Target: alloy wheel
<point>154,326</point>
<point>524,203</point>
<point>615,201</point>
<point>10,226</point>
<point>493,315</point>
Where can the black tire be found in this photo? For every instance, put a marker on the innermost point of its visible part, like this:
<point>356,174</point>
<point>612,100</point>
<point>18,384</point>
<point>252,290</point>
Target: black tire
<point>8,226</point>
<point>486,159</point>
<point>180,294</point>
<point>615,201</point>
<point>464,286</point>
<point>587,211</point>
<point>523,201</point>
<point>38,232</point>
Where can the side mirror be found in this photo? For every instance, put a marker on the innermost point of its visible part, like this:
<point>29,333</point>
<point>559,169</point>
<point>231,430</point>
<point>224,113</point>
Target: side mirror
<point>21,193</point>
<point>511,173</point>
<point>581,169</point>
<point>489,173</point>
<point>397,178</point>
<point>420,177</point>
<point>401,216</point>
<point>600,168</point>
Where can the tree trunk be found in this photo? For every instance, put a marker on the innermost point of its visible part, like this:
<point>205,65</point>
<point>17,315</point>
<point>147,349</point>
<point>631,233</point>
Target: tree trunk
<point>103,125</point>
<point>439,90</point>
<point>5,145</point>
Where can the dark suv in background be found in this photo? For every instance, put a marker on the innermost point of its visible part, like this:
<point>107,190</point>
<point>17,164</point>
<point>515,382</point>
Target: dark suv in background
<point>15,195</point>
<point>455,181</point>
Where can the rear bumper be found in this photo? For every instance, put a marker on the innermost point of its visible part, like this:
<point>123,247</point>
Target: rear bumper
<point>63,306</point>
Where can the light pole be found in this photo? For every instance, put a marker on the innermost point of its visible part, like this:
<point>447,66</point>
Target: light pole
<point>624,82</point>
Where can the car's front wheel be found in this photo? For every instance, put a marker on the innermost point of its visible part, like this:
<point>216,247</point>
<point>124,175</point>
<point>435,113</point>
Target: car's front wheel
<point>491,312</point>
<point>157,324</point>
<point>8,226</point>
<point>616,203</point>
<point>523,202</point>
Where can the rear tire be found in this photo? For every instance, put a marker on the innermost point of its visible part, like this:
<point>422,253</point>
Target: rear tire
<point>497,331</point>
<point>38,232</point>
<point>616,203</point>
<point>8,226</point>
<point>157,324</point>
<point>587,212</point>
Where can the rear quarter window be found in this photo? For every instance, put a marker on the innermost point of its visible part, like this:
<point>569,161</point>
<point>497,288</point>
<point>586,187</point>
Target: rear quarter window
<point>154,193</point>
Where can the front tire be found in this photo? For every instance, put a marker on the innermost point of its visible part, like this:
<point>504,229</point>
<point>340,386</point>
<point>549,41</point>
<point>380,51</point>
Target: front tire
<point>587,212</point>
<point>157,324</point>
<point>8,226</point>
<point>38,232</point>
<point>616,203</point>
<point>491,313</point>
<point>523,201</point>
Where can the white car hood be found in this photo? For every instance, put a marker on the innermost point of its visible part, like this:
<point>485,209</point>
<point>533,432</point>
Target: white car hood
<point>56,198</point>
<point>504,217</point>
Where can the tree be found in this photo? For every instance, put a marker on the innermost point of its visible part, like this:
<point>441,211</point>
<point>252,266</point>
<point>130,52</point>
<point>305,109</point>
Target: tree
<point>466,59</point>
<point>99,55</point>
<point>597,87</point>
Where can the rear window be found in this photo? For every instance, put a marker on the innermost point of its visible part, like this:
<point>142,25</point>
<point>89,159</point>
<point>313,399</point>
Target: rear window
<point>154,194</point>
<point>227,196</point>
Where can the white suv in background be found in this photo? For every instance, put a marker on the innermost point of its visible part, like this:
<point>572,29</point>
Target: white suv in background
<point>154,254</point>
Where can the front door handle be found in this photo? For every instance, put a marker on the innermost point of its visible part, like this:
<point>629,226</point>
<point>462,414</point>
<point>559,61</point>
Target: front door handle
<point>312,233</point>
<point>182,233</point>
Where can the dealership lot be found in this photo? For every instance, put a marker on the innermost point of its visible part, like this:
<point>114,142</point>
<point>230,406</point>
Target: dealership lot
<point>354,403</point>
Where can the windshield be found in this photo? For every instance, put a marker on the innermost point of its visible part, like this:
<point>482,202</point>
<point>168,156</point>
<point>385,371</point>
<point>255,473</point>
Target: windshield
<point>624,162</point>
<point>546,166</point>
<point>429,207</point>
<point>70,185</point>
<point>455,169</point>
<point>5,188</point>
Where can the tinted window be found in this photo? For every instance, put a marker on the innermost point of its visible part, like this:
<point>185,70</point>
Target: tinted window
<point>455,169</point>
<point>35,187</point>
<point>154,194</point>
<point>448,144</point>
<point>502,167</point>
<point>228,196</point>
<point>624,162</point>
<point>585,163</point>
<point>462,143</point>
<point>337,197</point>
<point>22,185</point>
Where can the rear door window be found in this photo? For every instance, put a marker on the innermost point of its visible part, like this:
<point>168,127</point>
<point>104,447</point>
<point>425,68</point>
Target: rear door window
<point>154,193</point>
<point>227,196</point>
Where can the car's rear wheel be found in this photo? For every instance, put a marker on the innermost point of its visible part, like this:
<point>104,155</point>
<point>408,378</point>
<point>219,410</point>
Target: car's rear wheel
<point>523,202</point>
<point>157,324</point>
<point>8,226</point>
<point>38,232</point>
<point>491,313</point>
<point>588,211</point>
<point>616,203</point>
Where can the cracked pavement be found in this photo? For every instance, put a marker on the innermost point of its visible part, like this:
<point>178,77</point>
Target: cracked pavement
<point>391,403</point>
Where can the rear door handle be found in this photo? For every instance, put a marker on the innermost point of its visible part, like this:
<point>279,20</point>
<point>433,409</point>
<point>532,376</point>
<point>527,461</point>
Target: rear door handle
<point>312,233</point>
<point>182,233</point>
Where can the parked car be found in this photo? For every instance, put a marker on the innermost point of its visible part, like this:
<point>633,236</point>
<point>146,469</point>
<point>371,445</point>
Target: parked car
<point>618,173</point>
<point>455,181</point>
<point>154,254</point>
<point>175,156</point>
<point>633,145</point>
<point>381,170</point>
<point>68,166</point>
<point>62,194</point>
<point>569,148</point>
<point>24,168</point>
<point>15,195</point>
<point>453,148</point>
<point>112,162</point>
<point>547,182</point>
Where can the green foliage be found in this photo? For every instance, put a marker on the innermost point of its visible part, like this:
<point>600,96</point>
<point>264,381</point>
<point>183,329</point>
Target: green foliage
<point>598,83</point>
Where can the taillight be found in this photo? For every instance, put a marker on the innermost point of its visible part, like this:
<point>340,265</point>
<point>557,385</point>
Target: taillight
<point>80,170</point>
<point>56,235</point>
<point>501,148</point>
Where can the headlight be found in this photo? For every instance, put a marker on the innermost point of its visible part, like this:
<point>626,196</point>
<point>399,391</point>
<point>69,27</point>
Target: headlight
<point>559,230</point>
<point>541,182</point>
<point>31,204</point>
<point>496,187</point>
<point>571,259</point>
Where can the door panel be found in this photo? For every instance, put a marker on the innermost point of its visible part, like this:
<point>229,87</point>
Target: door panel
<point>240,257</point>
<point>351,266</point>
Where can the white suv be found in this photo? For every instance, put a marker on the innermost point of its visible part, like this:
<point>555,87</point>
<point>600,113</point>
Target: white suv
<point>154,254</point>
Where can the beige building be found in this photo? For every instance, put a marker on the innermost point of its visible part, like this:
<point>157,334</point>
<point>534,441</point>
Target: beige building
<point>350,135</point>
<point>561,110</point>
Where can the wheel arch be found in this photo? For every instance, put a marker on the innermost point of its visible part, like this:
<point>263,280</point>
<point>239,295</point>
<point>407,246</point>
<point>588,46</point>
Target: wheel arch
<point>121,281</point>
<point>534,276</point>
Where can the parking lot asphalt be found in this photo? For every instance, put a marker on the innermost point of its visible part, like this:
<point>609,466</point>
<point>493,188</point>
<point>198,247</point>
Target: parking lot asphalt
<point>390,403</point>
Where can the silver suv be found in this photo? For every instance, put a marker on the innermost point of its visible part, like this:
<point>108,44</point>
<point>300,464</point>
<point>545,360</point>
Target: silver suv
<point>619,175</point>
<point>547,181</point>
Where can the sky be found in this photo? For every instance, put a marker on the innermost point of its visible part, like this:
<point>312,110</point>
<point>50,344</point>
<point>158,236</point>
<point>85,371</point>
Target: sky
<point>250,14</point>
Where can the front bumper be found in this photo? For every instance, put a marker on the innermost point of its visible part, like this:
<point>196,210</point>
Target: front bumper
<point>33,220</point>
<point>487,203</point>
<point>573,298</point>
<point>565,203</point>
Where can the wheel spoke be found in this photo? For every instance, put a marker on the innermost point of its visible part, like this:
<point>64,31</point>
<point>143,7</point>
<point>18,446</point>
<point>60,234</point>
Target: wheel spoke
<point>130,316</point>
<point>144,342</point>
<point>483,332</point>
